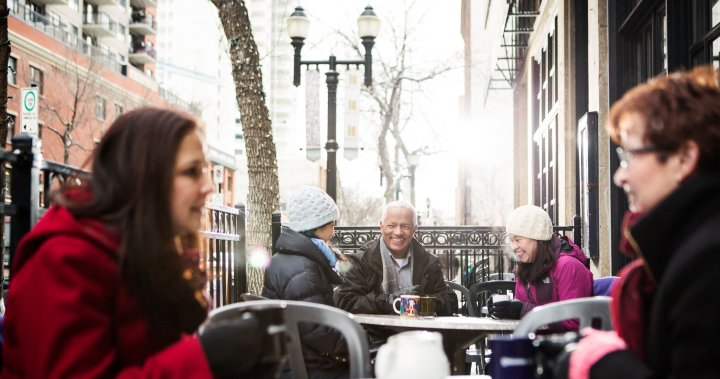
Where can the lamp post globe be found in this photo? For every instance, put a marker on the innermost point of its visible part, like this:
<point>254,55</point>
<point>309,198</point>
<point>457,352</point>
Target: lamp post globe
<point>298,26</point>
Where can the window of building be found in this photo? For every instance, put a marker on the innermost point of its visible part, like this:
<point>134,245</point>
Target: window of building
<point>74,4</point>
<point>10,128</point>
<point>100,108</point>
<point>545,126</point>
<point>121,31</point>
<point>12,70</point>
<point>119,109</point>
<point>54,19</point>
<point>36,78</point>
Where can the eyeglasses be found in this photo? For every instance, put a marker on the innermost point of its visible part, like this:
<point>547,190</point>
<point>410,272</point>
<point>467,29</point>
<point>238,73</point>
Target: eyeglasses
<point>626,155</point>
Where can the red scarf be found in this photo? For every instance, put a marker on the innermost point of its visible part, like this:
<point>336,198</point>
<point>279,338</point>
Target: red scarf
<point>629,305</point>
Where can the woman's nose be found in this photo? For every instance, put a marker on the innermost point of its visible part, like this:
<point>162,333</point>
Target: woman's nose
<point>207,186</point>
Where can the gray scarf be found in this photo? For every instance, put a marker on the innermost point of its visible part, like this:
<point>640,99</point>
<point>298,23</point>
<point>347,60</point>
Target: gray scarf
<point>390,280</point>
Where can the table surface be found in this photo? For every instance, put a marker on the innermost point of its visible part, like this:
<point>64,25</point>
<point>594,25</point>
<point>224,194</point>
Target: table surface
<point>457,323</point>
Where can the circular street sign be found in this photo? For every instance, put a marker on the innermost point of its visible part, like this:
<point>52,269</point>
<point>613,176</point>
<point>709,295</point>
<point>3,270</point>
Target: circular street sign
<point>29,101</point>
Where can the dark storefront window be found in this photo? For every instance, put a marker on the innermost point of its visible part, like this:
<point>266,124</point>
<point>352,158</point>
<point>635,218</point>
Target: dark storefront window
<point>650,38</point>
<point>545,154</point>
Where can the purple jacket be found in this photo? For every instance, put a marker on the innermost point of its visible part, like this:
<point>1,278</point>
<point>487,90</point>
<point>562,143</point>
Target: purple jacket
<point>569,279</point>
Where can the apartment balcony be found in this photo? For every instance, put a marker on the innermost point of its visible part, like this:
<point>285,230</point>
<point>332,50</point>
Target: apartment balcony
<point>142,55</point>
<point>99,25</point>
<point>143,25</point>
<point>102,2</point>
<point>143,3</point>
<point>52,2</point>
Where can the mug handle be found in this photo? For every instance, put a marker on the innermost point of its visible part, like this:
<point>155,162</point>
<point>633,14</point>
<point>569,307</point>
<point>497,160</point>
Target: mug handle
<point>394,308</point>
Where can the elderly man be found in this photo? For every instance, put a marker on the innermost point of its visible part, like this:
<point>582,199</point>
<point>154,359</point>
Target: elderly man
<point>393,265</point>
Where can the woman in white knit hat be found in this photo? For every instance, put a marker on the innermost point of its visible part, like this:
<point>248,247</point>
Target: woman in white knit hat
<point>549,267</point>
<point>302,268</point>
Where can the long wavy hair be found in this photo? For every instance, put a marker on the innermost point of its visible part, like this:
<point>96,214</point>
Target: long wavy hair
<point>538,269</point>
<point>132,176</point>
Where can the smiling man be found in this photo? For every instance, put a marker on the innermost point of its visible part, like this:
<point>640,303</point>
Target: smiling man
<point>394,265</point>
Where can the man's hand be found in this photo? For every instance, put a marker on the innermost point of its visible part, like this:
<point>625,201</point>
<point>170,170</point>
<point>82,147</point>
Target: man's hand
<point>505,309</point>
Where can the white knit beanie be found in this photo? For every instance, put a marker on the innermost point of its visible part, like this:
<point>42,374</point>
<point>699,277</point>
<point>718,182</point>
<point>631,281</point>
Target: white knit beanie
<point>530,221</point>
<point>309,208</point>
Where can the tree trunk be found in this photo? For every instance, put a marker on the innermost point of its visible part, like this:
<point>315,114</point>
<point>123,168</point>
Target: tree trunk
<point>263,195</point>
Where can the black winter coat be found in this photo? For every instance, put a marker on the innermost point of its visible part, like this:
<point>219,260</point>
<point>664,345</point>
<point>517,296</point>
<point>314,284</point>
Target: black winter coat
<point>299,271</point>
<point>361,290</point>
<point>680,242</point>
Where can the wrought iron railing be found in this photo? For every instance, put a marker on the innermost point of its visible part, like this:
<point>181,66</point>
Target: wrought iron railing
<point>468,254</point>
<point>224,253</point>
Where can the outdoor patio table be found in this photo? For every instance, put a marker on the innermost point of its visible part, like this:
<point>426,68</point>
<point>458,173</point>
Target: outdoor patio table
<point>458,332</point>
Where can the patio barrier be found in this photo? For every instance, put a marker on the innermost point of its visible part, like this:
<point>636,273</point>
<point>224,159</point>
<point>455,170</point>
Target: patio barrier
<point>468,254</point>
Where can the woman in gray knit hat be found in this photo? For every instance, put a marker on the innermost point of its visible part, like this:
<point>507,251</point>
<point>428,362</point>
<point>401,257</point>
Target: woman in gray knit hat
<point>549,268</point>
<point>302,268</point>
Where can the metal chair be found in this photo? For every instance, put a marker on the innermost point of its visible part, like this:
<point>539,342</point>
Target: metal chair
<point>481,292</point>
<point>588,310</point>
<point>479,295</point>
<point>468,309</point>
<point>305,312</point>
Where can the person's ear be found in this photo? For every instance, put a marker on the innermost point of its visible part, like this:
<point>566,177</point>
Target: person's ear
<point>688,155</point>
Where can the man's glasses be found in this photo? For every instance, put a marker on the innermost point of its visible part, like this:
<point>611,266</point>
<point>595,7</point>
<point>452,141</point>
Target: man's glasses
<point>626,155</point>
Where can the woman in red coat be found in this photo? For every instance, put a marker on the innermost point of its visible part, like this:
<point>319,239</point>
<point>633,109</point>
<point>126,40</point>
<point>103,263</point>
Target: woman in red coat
<point>108,283</point>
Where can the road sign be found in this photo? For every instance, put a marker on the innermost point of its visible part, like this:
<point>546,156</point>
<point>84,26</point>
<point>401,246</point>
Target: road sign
<point>29,110</point>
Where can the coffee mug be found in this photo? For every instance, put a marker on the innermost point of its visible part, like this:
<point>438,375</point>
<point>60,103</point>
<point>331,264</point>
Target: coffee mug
<point>500,297</point>
<point>427,306</point>
<point>513,357</point>
<point>408,305</point>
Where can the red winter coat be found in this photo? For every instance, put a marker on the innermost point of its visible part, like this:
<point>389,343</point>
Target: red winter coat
<point>69,316</point>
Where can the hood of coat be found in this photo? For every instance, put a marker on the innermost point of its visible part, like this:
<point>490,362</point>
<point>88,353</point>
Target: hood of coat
<point>566,246</point>
<point>291,242</point>
<point>59,221</point>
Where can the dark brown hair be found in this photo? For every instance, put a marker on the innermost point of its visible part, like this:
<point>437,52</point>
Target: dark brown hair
<point>132,175</point>
<point>540,267</point>
<point>680,107</point>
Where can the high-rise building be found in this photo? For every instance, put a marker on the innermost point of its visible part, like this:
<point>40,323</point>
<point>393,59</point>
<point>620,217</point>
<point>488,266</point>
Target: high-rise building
<point>91,61</point>
<point>284,101</point>
<point>193,63</point>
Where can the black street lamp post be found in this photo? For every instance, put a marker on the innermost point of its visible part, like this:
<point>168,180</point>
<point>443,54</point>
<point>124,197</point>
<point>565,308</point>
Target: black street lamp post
<point>368,28</point>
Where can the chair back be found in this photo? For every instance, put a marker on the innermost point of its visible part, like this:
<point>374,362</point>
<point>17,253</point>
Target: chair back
<point>584,309</point>
<point>481,292</point>
<point>603,286</point>
<point>305,312</point>
<point>468,309</point>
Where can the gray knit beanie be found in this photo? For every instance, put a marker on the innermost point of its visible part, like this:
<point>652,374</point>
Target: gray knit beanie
<point>530,221</point>
<point>309,208</point>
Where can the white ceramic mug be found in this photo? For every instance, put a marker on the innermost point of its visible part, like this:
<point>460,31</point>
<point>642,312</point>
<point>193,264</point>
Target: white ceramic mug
<point>417,354</point>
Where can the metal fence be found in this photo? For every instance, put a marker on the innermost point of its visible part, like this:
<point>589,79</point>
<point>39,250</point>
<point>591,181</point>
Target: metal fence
<point>28,195</point>
<point>468,254</point>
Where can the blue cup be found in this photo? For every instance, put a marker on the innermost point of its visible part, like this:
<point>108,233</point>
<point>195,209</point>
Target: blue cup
<point>513,357</point>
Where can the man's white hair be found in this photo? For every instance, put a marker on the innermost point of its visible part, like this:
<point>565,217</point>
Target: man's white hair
<point>402,204</point>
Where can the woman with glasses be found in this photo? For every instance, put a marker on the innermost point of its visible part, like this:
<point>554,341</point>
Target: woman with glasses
<point>303,268</point>
<point>665,312</point>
